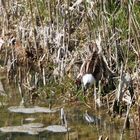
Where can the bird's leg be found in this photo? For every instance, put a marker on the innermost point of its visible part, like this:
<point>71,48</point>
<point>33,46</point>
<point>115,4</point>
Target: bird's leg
<point>84,91</point>
<point>86,87</point>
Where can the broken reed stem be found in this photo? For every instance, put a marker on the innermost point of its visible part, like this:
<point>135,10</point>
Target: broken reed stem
<point>44,78</point>
<point>39,14</point>
<point>57,15</point>
<point>5,17</point>
<point>120,86</point>
<point>126,118</point>
<point>68,16</point>
<point>33,25</point>
<point>6,56</point>
<point>129,33</point>
<point>4,24</point>
<point>95,95</point>
<point>36,78</point>
<point>50,12</point>
<point>19,86</point>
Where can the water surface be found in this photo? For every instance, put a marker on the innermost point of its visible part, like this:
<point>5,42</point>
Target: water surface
<point>80,128</point>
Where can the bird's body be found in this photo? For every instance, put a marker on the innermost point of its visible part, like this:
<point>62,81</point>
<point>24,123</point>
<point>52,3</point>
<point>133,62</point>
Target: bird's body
<point>87,81</point>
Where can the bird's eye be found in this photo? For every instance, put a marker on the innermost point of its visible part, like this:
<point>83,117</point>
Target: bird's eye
<point>78,82</point>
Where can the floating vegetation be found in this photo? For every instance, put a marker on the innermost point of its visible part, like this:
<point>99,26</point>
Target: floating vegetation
<point>57,129</point>
<point>30,119</point>
<point>32,128</point>
<point>47,47</point>
<point>30,110</point>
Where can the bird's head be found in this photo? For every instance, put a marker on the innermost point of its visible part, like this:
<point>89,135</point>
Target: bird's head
<point>78,83</point>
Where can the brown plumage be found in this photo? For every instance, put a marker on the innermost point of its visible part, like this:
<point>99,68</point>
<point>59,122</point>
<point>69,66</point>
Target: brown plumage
<point>95,65</point>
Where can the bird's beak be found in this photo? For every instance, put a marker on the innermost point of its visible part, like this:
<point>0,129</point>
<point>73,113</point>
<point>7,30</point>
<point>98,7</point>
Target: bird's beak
<point>78,84</point>
<point>77,87</point>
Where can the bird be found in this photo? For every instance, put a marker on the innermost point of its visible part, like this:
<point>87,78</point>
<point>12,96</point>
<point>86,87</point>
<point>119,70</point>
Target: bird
<point>86,81</point>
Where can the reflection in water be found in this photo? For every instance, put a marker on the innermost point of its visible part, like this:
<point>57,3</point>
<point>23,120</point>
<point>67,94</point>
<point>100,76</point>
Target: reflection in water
<point>81,129</point>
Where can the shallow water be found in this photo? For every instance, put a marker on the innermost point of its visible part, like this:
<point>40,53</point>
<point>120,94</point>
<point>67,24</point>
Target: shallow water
<point>80,128</point>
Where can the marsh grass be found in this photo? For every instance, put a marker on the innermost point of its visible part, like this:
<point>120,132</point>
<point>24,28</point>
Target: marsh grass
<point>46,43</point>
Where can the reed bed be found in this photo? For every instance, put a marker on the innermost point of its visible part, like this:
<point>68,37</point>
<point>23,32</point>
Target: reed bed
<point>45,45</point>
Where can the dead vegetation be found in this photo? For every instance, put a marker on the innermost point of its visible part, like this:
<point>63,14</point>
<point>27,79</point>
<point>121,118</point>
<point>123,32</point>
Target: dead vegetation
<point>44,41</point>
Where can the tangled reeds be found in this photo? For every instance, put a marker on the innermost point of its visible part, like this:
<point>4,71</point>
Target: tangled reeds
<point>45,41</point>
